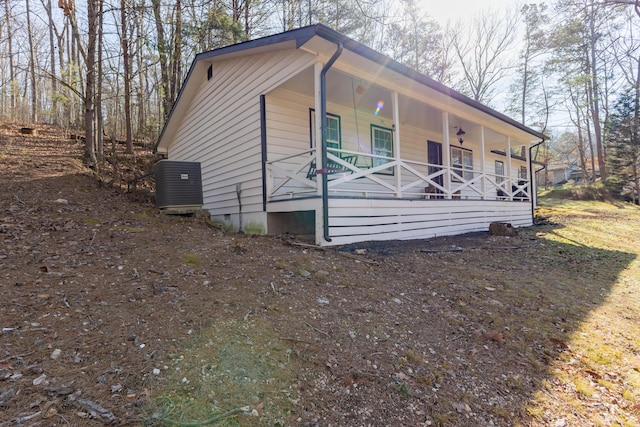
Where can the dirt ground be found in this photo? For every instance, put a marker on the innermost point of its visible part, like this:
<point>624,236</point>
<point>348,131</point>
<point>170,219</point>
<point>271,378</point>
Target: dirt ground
<point>98,292</point>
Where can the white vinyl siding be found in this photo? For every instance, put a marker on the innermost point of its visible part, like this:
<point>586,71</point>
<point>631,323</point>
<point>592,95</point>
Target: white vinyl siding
<point>354,220</point>
<point>221,128</point>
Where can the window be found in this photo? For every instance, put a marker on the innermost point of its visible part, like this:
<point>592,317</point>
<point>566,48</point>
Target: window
<point>334,139</point>
<point>434,157</point>
<point>333,133</point>
<point>499,171</point>
<point>462,163</point>
<point>381,145</point>
<point>522,173</point>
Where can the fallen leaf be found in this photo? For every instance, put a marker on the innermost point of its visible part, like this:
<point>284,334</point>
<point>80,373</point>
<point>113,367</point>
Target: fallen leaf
<point>259,408</point>
<point>592,373</point>
<point>559,342</point>
<point>496,336</point>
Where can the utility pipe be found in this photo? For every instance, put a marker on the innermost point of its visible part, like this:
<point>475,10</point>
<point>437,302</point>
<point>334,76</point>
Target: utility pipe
<point>323,137</point>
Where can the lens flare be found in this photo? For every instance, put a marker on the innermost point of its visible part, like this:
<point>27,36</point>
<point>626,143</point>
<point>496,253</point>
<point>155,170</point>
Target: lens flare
<point>379,107</point>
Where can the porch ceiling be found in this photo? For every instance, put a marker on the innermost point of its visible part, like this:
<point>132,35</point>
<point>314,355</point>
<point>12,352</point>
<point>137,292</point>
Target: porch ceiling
<point>350,91</point>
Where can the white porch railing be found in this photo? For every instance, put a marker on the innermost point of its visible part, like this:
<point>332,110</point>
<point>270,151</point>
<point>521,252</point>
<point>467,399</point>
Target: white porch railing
<point>354,174</point>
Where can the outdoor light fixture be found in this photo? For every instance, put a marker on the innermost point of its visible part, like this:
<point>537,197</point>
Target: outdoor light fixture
<point>459,134</point>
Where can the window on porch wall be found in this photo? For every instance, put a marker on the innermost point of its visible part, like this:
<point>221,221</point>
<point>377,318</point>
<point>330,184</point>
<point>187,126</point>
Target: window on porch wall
<point>462,162</point>
<point>522,173</point>
<point>499,171</point>
<point>334,139</point>
<point>333,131</point>
<point>381,145</point>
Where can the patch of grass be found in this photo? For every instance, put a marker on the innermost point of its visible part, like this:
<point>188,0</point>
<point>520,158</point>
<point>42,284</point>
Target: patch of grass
<point>135,229</point>
<point>583,386</point>
<point>403,388</point>
<point>236,373</point>
<point>571,191</point>
<point>413,357</point>
<point>593,250</point>
<point>192,259</point>
<point>129,229</point>
<point>91,220</point>
<point>633,378</point>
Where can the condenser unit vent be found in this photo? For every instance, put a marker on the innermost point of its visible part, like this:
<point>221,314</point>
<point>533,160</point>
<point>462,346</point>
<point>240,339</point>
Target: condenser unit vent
<point>178,186</point>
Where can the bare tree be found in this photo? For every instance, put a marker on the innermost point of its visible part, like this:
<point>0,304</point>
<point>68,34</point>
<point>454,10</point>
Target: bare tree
<point>417,41</point>
<point>99,86</point>
<point>12,68</point>
<point>53,76</point>
<point>482,47</point>
<point>32,67</point>
<point>580,143</point>
<point>141,69</point>
<point>529,98</point>
<point>89,95</point>
<point>176,54</point>
<point>163,49</point>
<point>126,65</point>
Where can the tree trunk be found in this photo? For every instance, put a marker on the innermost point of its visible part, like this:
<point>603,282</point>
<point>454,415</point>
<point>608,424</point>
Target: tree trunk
<point>176,60</point>
<point>591,153</point>
<point>54,82</point>
<point>12,68</point>
<point>127,77</point>
<point>636,125</point>
<point>98,109</point>
<point>594,104</point>
<point>32,67</point>
<point>162,53</point>
<point>583,160</point>
<point>89,106</point>
<point>142,102</point>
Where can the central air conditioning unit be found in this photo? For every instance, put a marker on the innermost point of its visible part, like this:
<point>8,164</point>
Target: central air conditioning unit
<point>178,186</point>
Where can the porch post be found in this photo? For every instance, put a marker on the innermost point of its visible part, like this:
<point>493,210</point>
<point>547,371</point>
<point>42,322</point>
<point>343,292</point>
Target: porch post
<point>529,174</point>
<point>446,156</point>
<point>317,69</point>
<point>482,164</point>
<point>396,144</point>
<point>509,177</point>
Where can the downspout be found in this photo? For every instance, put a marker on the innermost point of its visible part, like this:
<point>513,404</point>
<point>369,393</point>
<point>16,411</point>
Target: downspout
<point>263,145</point>
<point>323,137</point>
<point>534,196</point>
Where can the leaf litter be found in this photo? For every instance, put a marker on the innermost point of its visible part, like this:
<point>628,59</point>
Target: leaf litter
<point>162,319</point>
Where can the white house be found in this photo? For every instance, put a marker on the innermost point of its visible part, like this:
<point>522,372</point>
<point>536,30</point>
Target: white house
<point>311,132</point>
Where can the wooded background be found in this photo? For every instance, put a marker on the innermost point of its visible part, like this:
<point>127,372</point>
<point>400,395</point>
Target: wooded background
<point>113,68</point>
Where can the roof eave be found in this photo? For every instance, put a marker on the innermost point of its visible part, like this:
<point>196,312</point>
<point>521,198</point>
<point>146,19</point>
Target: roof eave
<point>304,34</point>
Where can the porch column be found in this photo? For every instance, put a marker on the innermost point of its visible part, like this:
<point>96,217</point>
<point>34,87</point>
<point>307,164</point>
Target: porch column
<point>529,165</point>
<point>482,164</point>
<point>509,177</point>
<point>317,69</point>
<point>446,155</point>
<point>396,143</point>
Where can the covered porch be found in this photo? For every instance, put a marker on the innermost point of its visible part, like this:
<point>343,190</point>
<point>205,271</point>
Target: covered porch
<point>394,148</point>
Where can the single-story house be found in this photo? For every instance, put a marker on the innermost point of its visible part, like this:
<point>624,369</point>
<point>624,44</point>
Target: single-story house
<point>557,172</point>
<point>311,132</point>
